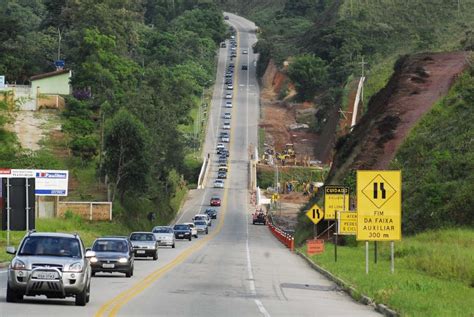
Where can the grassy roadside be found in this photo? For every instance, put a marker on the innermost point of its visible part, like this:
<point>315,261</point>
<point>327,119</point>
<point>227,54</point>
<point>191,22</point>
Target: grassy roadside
<point>434,272</point>
<point>88,231</point>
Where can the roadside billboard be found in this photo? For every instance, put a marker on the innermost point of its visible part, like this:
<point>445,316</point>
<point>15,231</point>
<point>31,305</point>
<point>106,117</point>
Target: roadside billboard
<point>47,182</point>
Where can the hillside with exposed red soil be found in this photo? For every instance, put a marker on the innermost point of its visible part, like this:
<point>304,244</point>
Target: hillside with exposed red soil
<point>418,82</point>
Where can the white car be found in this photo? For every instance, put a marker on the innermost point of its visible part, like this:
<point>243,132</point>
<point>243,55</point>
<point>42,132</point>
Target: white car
<point>226,125</point>
<point>230,87</point>
<point>245,52</point>
<point>220,146</point>
<point>227,115</point>
<point>225,138</point>
<point>228,104</point>
<point>164,235</point>
<point>218,183</point>
<point>228,96</point>
<point>204,217</point>
<point>194,231</point>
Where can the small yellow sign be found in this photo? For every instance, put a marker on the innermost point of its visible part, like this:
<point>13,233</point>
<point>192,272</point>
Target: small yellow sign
<point>335,198</point>
<point>347,223</point>
<point>379,197</point>
<point>275,197</point>
<point>315,213</point>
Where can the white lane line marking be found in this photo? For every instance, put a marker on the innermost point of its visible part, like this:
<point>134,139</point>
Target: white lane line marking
<point>253,290</point>
<point>4,271</point>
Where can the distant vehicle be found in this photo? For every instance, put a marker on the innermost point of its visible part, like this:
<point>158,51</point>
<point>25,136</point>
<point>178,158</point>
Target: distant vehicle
<point>228,104</point>
<point>226,17</point>
<point>201,226</point>
<point>230,87</point>
<point>227,115</point>
<point>191,225</point>
<point>259,217</point>
<point>231,65</point>
<point>245,52</point>
<point>223,45</point>
<point>226,125</point>
<point>215,201</point>
<point>144,244</point>
<point>228,96</point>
<point>244,67</point>
<point>203,217</point>
<point>232,37</point>
<point>46,264</point>
<point>228,81</point>
<point>233,54</point>
<point>222,175</point>
<point>164,235</point>
<point>182,231</point>
<point>211,212</point>
<point>218,183</point>
<point>225,139</point>
<point>220,146</point>
<point>113,255</point>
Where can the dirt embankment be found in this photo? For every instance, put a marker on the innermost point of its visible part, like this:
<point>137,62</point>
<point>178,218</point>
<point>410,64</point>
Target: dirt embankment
<point>418,82</point>
<point>279,115</point>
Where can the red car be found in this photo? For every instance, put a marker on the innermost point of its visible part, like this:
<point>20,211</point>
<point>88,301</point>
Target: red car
<point>215,201</point>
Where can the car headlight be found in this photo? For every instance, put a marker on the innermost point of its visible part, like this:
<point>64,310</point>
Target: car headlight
<point>94,259</point>
<point>123,260</point>
<point>75,267</point>
<point>18,265</point>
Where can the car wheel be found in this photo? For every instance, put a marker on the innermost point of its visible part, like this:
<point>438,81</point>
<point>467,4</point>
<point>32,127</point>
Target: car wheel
<point>155,256</point>
<point>88,296</point>
<point>129,273</point>
<point>196,236</point>
<point>93,274</point>
<point>173,245</point>
<point>190,238</point>
<point>81,298</point>
<point>12,295</point>
<point>207,231</point>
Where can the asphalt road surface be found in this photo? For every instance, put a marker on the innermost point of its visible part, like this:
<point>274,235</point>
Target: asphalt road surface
<point>238,269</point>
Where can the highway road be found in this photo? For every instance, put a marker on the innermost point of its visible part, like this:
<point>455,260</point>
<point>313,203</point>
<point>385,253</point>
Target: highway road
<point>238,269</point>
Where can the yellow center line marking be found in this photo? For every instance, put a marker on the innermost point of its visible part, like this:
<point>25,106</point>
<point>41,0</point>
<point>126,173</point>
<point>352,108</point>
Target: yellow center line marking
<point>115,304</point>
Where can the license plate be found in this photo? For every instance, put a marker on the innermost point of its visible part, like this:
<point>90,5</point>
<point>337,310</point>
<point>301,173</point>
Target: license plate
<point>46,275</point>
<point>140,252</point>
<point>108,265</point>
<point>180,235</point>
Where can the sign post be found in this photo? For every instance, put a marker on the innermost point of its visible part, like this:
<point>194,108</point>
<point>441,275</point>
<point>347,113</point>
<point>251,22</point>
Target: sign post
<point>336,198</point>
<point>379,207</point>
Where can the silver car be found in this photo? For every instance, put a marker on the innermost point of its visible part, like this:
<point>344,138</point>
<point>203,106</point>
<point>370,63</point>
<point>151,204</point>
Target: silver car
<point>201,226</point>
<point>51,264</point>
<point>164,235</point>
<point>194,231</point>
<point>144,244</point>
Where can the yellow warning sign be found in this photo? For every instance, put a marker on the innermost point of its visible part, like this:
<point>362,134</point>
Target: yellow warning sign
<point>347,222</point>
<point>335,198</point>
<point>315,213</point>
<point>379,195</point>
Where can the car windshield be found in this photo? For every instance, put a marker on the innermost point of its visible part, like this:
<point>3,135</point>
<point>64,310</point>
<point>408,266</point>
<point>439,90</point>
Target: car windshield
<point>200,223</point>
<point>142,237</point>
<point>181,227</point>
<point>163,230</point>
<point>103,245</point>
<point>51,246</point>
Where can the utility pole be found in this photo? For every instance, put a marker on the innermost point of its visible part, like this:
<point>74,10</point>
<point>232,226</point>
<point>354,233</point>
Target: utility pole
<point>363,63</point>
<point>59,44</point>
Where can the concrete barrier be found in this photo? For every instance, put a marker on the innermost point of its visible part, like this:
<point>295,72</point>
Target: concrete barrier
<point>203,173</point>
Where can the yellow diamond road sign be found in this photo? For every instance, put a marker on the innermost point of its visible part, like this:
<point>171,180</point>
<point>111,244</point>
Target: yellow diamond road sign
<point>335,198</point>
<point>315,213</point>
<point>379,205</point>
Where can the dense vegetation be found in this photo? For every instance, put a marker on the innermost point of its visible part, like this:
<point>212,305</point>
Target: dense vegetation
<point>139,68</point>
<point>342,32</point>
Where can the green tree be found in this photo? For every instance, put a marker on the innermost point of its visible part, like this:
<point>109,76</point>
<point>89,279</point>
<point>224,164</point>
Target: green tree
<point>310,75</point>
<point>126,153</point>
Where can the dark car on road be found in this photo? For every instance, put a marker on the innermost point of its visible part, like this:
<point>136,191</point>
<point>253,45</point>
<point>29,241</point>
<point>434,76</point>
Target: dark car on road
<point>259,217</point>
<point>182,231</point>
<point>211,212</point>
<point>114,254</point>
<point>144,244</point>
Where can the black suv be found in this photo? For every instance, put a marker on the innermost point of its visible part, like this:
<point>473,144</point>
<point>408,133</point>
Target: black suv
<point>113,254</point>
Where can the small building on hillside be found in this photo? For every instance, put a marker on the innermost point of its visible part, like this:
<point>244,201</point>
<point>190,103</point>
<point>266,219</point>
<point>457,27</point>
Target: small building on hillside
<point>52,83</point>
